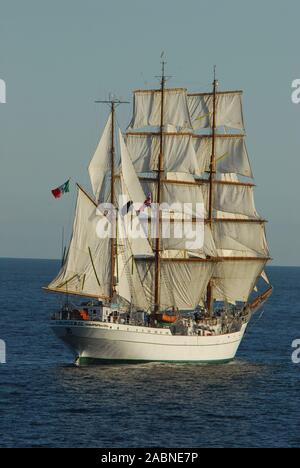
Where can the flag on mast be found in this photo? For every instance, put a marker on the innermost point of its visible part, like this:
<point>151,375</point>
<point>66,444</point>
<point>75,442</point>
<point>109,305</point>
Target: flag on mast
<point>59,191</point>
<point>147,203</point>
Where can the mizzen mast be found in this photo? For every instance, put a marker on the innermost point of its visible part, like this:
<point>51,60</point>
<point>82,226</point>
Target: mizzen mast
<point>158,201</point>
<point>212,173</point>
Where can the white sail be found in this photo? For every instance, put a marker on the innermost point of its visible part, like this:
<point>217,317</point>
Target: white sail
<point>188,196</point>
<point>143,149</point>
<point>179,153</point>
<point>182,284</point>
<point>123,284</point>
<point>264,276</point>
<point>87,269</point>
<point>129,285</point>
<point>230,153</point>
<point>234,199</point>
<point>240,239</point>
<point>133,192</point>
<point>147,108</point>
<point>129,175</point>
<point>230,200</point>
<point>234,280</point>
<point>228,110</point>
<point>187,237</point>
<point>100,165</point>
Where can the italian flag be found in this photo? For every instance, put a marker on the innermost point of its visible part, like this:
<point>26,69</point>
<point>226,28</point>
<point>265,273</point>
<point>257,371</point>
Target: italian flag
<point>59,191</point>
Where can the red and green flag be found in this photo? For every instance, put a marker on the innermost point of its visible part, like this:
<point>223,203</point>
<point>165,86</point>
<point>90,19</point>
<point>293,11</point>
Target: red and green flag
<point>59,191</point>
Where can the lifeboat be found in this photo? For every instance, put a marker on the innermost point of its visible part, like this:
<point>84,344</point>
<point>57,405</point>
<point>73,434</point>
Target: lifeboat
<point>166,318</point>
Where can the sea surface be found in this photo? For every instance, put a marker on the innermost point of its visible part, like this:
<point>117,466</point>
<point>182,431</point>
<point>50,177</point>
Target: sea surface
<point>45,401</point>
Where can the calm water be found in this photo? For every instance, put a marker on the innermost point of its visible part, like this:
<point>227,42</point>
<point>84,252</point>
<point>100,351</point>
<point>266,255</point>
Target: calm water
<point>46,401</point>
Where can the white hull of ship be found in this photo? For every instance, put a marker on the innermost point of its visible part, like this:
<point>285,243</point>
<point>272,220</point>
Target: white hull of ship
<point>94,342</point>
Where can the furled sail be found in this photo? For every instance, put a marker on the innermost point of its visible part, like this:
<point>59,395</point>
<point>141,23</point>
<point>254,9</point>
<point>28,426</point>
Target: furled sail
<point>147,108</point>
<point>228,110</point>
<point>87,268</point>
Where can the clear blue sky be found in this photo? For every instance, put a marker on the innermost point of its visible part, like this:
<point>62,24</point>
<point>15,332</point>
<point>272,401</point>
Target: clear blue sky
<point>58,56</point>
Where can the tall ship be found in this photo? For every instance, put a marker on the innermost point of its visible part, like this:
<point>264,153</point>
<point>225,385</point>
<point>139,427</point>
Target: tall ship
<point>167,256</point>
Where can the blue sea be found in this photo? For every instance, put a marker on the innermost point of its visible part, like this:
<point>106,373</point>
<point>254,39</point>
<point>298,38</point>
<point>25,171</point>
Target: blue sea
<point>45,401</point>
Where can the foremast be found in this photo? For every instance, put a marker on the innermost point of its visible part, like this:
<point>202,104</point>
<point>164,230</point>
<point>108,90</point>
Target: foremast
<point>113,103</point>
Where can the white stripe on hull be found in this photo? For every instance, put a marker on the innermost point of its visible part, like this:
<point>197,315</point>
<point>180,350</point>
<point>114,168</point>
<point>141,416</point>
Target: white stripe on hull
<point>98,341</point>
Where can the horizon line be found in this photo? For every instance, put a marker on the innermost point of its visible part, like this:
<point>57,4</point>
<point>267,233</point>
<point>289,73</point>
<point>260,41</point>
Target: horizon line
<point>59,259</point>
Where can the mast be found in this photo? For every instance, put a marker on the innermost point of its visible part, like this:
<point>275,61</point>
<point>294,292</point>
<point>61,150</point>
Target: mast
<point>212,172</point>
<point>113,240</point>
<point>158,201</point>
<point>113,103</point>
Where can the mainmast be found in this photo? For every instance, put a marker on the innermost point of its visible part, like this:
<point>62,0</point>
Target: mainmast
<point>113,103</point>
<point>212,173</point>
<point>158,201</point>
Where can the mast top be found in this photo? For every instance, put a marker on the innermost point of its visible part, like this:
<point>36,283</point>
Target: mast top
<point>112,101</point>
<point>163,77</point>
<point>216,81</point>
<point>163,64</point>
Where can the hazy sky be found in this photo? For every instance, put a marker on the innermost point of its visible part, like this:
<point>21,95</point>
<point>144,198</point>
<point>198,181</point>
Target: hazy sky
<point>58,56</point>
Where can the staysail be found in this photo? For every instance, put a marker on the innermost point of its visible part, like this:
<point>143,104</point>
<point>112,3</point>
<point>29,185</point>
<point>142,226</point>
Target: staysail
<point>87,268</point>
<point>99,167</point>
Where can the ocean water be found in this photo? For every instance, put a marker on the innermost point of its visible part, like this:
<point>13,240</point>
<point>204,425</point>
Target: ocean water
<point>45,401</point>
